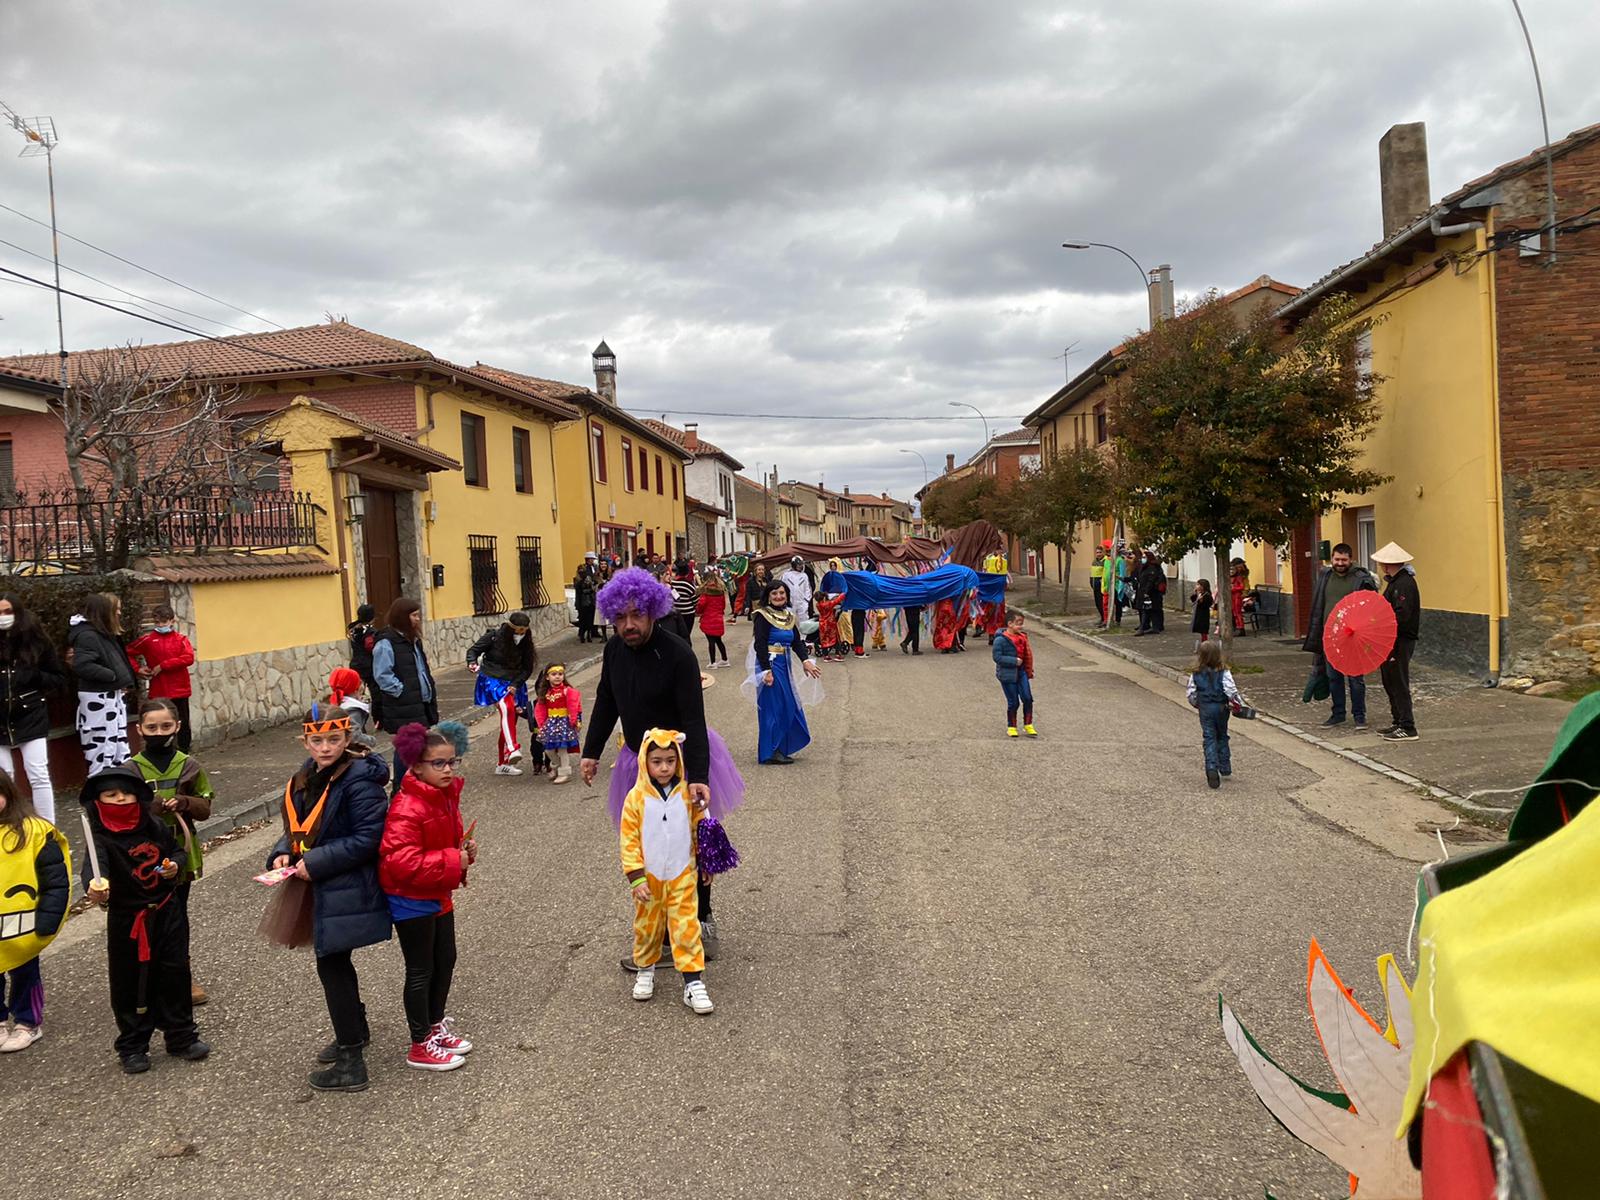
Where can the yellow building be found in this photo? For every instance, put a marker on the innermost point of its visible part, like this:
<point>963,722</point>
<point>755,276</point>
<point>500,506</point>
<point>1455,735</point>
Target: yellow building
<point>620,482</point>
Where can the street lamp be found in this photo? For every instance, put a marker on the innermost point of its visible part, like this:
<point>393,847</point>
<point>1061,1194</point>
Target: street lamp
<point>924,467</point>
<point>976,409</point>
<point>1144,276</point>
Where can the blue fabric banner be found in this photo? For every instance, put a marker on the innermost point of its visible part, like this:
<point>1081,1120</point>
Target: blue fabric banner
<point>866,589</point>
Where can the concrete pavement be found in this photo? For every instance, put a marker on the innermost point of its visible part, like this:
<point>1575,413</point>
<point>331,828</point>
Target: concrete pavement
<point>954,965</point>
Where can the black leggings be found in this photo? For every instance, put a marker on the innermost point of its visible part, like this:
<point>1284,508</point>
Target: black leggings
<point>714,644</point>
<point>429,947</point>
<point>343,992</point>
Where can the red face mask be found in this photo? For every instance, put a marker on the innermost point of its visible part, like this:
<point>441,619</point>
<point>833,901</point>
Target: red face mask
<point>118,818</point>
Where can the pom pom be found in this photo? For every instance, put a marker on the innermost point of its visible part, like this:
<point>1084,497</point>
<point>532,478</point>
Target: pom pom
<point>634,588</point>
<point>715,853</point>
<point>410,741</point>
<point>457,733</point>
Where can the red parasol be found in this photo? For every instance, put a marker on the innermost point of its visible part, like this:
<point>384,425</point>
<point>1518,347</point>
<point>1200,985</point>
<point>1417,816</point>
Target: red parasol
<point>1359,634</point>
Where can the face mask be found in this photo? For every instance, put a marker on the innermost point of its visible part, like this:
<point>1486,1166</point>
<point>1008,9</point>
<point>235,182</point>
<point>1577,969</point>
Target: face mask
<point>517,637</point>
<point>7,620</point>
<point>163,628</point>
<point>158,741</point>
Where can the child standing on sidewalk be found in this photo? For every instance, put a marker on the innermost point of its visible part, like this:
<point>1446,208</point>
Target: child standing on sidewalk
<point>423,859</point>
<point>183,797</point>
<point>1013,667</point>
<point>1204,602</point>
<point>167,656</point>
<point>147,931</point>
<point>1212,691</point>
<point>658,857</point>
<point>34,885</point>
<point>558,712</point>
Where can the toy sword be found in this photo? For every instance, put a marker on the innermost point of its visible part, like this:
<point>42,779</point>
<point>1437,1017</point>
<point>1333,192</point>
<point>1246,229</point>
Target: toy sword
<point>99,882</point>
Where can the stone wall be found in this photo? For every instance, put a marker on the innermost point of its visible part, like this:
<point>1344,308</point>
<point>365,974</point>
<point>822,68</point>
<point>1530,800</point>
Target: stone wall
<point>1553,573</point>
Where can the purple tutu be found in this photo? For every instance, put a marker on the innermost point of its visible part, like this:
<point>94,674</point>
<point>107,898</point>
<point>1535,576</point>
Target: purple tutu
<point>727,785</point>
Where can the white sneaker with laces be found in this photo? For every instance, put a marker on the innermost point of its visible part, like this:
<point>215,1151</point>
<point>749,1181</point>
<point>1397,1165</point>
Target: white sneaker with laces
<point>697,998</point>
<point>644,983</point>
<point>515,756</point>
<point>507,769</point>
<point>20,1038</point>
<point>446,1039</point>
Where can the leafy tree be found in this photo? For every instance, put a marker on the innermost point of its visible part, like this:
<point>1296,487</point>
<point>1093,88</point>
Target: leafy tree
<point>1048,504</point>
<point>952,503</point>
<point>1230,430</point>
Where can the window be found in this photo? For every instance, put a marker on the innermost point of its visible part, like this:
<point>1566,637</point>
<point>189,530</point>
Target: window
<point>522,459</point>
<point>649,541</point>
<point>1102,425</point>
<point>8,475</point>
<point>530,568</point>
<point>661,487</point>
<point>627,463</point>
<point>474,467</point>
<point>644,470</point>
<point>484,571</point>
<point>675,483</point>
<point>1364,355</point>
<point>597,442</point>
<point>1366,539</point>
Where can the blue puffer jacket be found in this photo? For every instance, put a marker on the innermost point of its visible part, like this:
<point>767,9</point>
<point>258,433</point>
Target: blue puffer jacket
<point>349,909</point>
<point>1007,662</point>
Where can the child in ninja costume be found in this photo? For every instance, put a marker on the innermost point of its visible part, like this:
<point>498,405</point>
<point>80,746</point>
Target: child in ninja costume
<point>658,857</point>
<point>147,930</point>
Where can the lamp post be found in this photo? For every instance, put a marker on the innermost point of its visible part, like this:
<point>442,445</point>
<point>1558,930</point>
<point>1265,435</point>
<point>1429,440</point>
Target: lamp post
<point>976,409</point>
<point>1144,276</point>
<point>924,466</point>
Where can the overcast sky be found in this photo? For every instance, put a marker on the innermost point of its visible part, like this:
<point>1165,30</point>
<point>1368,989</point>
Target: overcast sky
<point>812,207</point>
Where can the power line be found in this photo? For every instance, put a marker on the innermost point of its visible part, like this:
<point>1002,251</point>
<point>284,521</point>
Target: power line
<point>125,291</point>
<point>146,270</point>
<point>756,416</point>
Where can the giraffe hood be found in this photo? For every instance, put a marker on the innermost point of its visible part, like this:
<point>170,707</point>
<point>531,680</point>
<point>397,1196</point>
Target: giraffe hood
<point>659,739</point>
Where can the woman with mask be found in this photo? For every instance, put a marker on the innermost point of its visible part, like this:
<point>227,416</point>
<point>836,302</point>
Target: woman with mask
<point>503,659</point>
<point>105,677</point>
<point>400,669</point>
<point>29,673</point>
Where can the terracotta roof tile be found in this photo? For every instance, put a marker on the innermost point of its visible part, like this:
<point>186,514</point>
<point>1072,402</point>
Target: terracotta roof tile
<point>228,568</point>
<point>577,395</point>
<point>702,447</point>
<point>383,435</point>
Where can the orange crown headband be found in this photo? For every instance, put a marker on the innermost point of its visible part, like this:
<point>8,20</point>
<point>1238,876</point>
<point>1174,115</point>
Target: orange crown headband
<point>337,720</point>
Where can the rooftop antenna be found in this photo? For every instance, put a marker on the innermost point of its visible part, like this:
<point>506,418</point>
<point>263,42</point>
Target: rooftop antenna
<point>39,138</point>
<point>1065,356</point>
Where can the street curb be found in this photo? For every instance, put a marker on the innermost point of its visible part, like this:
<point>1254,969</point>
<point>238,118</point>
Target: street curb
<point>270,804</point>
<point>1443,795</point>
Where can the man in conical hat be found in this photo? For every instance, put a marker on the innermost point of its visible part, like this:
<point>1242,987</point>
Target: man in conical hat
<point>1400,590</point>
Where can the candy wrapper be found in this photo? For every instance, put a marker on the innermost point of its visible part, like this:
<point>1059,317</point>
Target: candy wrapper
<point>275,876</point>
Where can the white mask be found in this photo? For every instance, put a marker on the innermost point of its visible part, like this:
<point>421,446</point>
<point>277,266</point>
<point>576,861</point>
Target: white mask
<point>517,637</point>
<point>7,620</point>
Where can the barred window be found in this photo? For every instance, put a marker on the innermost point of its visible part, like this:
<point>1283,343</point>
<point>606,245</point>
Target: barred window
<point>485,574</point>
<point>530,566</point>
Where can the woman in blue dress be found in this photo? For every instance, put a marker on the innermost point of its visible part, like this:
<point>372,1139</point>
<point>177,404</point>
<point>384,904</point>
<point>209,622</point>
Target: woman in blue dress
<point>782,679</point>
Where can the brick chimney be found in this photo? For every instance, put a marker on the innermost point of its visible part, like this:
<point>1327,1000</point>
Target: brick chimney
<point>691,437</point>
<point>949,463</point>
<point>1403,175</point>
<point>605,373</point>
<point>847,489</point>
<point>1160,291</point>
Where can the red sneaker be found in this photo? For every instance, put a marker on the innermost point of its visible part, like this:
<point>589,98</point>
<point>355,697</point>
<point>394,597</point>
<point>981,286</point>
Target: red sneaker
<point>428,1056</point>
<point>448,1041</point>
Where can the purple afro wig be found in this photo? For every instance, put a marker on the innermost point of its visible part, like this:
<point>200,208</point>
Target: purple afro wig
<point>634,588</point>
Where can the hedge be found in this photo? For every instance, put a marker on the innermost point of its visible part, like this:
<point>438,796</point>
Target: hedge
<point>54,599</point>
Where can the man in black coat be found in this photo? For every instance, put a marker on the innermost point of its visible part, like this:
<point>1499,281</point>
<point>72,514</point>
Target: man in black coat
<point>1337,581</point>
<point>1400,590</point>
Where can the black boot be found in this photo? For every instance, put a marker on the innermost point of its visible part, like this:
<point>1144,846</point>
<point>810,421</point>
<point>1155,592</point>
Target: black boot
<point>348,1073</point>
<point>330,1052</point>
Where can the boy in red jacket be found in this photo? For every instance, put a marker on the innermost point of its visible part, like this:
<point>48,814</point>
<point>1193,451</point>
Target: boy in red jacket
<point>423,858</point>
<point>164,656</point>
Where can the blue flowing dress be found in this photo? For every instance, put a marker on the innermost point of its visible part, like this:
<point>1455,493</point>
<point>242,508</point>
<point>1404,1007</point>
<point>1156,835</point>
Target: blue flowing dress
<point>781,717</point>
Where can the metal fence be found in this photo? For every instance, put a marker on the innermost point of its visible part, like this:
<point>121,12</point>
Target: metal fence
<point>484,563</point>
<point>67,532</point>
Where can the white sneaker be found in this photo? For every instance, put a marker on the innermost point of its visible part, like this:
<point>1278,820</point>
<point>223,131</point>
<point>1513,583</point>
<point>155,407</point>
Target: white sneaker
<point>507,769</point>
<point>696,997</point>
<point>20,1038</point>
<point>515,756</point>
<point>561,779</point>
<point>644,983</point>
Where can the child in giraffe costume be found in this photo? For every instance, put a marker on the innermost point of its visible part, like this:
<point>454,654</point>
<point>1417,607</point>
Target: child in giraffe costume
<point>658,857</point>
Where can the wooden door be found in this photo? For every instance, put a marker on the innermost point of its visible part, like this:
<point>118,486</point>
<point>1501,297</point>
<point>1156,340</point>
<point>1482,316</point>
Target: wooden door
<point>1303,566</point>
<point>381,541</point>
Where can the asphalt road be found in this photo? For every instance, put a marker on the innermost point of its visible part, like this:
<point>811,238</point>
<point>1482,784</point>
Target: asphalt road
<point>953,965</point>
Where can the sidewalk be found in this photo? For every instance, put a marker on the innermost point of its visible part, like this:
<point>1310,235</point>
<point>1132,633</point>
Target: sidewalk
<point>249,773</point>
<point>1473,737</point>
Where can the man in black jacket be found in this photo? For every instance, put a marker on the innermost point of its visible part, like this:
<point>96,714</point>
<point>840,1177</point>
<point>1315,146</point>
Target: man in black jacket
<point>1336,582</point>
<point>1400,590</point>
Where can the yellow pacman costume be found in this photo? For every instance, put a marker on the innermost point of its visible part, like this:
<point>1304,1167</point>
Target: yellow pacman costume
<point>35,875</point>
<point>658,823</point>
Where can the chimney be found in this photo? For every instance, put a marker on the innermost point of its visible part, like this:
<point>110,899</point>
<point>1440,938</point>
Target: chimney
<point>847,489</point>
<point>691,437</point>
<point>1403,175</point>
<point>1160,290</point>
<point>949,463</point>
<point>605,373</point>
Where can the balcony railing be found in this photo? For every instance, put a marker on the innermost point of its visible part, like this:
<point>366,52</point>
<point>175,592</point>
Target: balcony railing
<point>68,532</point>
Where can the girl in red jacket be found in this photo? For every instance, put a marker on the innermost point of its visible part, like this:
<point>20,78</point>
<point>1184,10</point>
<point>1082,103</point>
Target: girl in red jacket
<point>711,606</point>
<point>558,716</point>
<point>423,859</point>
<point>166,656</point>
